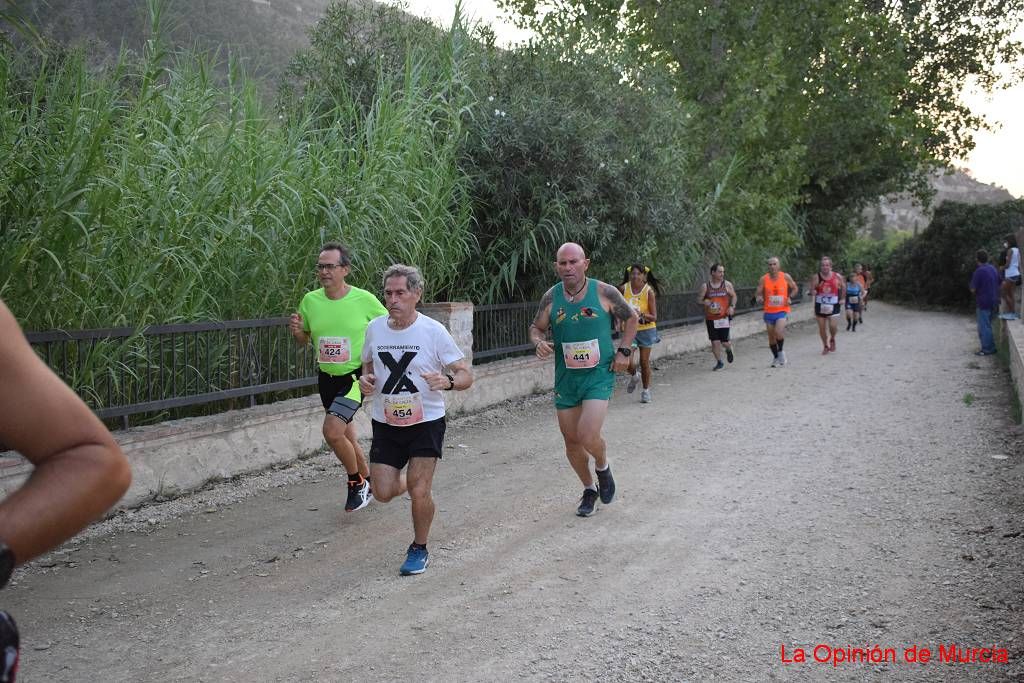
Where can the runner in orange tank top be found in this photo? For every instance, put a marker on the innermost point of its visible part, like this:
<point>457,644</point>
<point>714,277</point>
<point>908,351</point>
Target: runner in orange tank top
<point>776,290</point>
<point>718,297</point>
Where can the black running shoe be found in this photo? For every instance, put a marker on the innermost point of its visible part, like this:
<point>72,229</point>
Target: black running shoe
<point>358,495</point>
<point>586,507</point>
<point>606,485</point>
<point>728,354</point>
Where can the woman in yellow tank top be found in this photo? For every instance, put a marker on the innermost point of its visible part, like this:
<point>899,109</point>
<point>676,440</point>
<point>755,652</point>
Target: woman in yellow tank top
<point>640,289</point>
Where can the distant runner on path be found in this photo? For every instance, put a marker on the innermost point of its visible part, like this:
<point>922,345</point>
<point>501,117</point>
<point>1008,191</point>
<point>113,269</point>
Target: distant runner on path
<point>776,291</point>
<point>640,289</point>
<point>860,277</point>
<point>854,302</point>
<point>829,295</point>
<point>334,318</point>
<point>718,297</point>
<point>409,361</point>
<point>579,312</point>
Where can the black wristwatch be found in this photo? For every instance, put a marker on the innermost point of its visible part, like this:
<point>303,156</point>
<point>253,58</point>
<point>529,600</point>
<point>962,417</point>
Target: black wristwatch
<point>7,563</point>
<point>451,382</point>
<point>625,352</point>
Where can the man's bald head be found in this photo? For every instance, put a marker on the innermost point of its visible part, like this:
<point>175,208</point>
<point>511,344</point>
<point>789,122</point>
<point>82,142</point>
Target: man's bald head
<point>570,248</point>
<point>571,265</point>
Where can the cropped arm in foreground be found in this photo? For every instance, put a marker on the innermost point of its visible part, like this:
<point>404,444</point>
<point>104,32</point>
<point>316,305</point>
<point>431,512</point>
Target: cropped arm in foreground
<point>80,471</point>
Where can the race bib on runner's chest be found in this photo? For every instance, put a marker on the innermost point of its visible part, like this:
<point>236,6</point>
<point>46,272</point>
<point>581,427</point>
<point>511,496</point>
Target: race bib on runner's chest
<point>825,309</point>
<point>403,410</point>
<point>581,355</point>
<point>853,299</point>
<point>721,323</point>
<point>335,350</point>
<point>776,300</point>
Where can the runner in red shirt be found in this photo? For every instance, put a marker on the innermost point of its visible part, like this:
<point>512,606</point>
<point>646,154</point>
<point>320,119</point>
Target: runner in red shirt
<point>829,295</point>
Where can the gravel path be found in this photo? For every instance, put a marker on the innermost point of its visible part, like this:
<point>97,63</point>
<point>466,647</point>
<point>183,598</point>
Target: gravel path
<point>870,497</point>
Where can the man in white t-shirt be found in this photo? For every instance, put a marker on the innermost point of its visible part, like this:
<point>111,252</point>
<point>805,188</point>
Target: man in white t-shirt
<point>408,361</point>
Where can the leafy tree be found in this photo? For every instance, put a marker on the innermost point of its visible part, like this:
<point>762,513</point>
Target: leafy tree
<point>826,104</point>
<point>551,161</point>
<point>934,267</point>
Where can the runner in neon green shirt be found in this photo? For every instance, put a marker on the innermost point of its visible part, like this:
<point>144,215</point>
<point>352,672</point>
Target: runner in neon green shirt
<point>334,318</point>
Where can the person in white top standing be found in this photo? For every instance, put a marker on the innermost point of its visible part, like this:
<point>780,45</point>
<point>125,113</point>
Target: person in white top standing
<point>1011,278</point>
<point>409,360</point>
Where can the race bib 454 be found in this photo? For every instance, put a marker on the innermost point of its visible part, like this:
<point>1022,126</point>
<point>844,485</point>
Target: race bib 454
<point>403,410</point>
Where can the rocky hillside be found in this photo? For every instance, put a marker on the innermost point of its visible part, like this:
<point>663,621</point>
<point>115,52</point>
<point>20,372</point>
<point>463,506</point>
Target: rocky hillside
<point>263,33</point>
<point>899,212</point>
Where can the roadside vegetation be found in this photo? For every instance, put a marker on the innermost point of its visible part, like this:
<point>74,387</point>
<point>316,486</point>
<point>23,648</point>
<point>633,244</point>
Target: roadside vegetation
<point>152,189</point>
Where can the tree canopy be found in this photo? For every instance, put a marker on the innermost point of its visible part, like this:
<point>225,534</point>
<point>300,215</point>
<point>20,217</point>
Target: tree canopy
<point>817,107</point>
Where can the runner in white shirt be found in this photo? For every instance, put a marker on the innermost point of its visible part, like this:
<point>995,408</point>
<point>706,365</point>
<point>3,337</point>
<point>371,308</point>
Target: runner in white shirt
<point>408,361</point>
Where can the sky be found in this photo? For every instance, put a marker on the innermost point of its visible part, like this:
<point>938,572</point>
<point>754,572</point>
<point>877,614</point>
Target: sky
<point>998,156</point>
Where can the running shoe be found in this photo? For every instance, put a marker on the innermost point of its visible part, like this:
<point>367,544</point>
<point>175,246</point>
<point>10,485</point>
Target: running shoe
<point>1009,316</point>
<point>728,354</point>
<point>849,323</point>
<point>718,366</point>
<point>606,485</point>
<point>775,362</point>
<point>832,344</point>
<point>416,560</point>
<point>634,380</point>
<point>782,358</point>
<point>358,495</point>
<point>587,502</point>
<point>824,351</point>
<point>645,396</point>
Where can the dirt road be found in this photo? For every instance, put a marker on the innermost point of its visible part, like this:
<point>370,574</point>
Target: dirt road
<point>870,497</point>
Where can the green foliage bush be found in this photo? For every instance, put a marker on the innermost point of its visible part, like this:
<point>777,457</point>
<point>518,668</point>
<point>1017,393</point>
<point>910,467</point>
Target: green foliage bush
<point>544,160</point>
<point>934,267</point>
<point>871,253</point>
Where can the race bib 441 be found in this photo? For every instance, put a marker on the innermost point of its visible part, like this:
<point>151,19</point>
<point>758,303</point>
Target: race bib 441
<point>581,355</point>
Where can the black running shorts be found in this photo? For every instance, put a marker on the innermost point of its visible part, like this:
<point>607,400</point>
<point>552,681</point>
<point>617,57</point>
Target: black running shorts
<point>339,396</point>
<point>717,333</point>
<point>395,445</point>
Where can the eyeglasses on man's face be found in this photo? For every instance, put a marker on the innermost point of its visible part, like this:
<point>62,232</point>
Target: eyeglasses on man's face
<point>323,267</point>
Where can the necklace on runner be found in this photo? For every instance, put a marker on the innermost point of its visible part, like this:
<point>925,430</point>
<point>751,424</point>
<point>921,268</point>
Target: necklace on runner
<point>572,297</point>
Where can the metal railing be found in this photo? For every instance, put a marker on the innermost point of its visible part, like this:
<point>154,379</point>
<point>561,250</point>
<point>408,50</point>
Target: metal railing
<point>165,371</point>
<point>124,371</point>
<point>500,330</point>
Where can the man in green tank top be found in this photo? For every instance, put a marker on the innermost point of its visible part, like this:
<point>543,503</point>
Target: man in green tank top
<point>578,312</point>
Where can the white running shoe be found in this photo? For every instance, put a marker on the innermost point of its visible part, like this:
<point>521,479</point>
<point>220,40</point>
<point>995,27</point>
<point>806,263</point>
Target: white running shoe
<point>775,362</point>
<point>645,396</point>
<point>633,381</point>
<point>782,358</point>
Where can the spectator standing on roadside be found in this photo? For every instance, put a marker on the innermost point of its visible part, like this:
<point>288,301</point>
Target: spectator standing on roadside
<point>1011,278</point>
<point>985,287</point>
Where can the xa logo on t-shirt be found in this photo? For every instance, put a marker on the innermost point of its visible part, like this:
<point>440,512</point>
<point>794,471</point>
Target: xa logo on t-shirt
<point>398,381</point>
